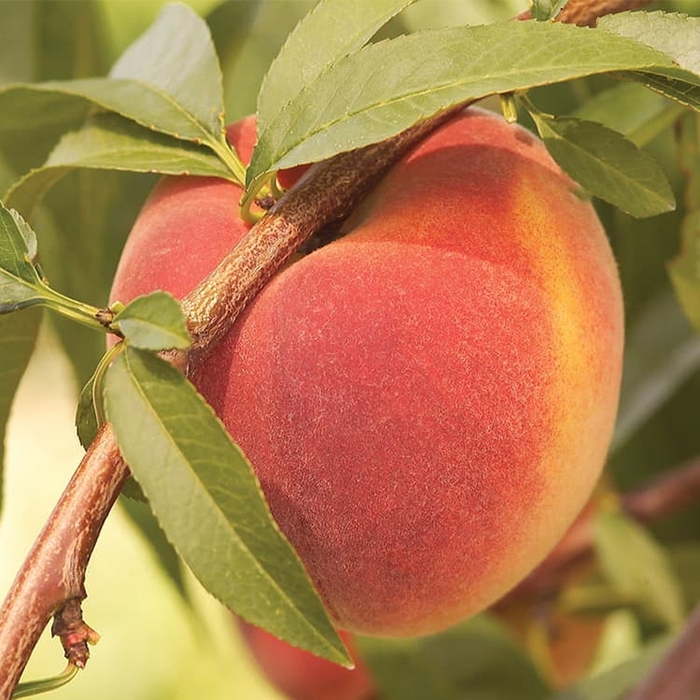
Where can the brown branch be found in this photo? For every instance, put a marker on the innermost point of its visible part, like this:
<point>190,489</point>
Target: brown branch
<point>677,675</point>
<point>585,13</point>
<point>53,574</point>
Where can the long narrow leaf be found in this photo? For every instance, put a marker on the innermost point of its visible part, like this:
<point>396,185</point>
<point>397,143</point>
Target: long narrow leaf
<point>209,503</point>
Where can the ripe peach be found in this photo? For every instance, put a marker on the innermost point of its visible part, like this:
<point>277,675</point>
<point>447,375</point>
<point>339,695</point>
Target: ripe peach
<point>300,675</point>
<point>428,400</point>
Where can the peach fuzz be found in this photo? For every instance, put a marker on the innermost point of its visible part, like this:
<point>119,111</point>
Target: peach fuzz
<point>427,401</point>
<point>299,675</point>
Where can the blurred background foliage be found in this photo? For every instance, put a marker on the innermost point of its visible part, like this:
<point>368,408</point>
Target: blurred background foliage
<point>158,643</point>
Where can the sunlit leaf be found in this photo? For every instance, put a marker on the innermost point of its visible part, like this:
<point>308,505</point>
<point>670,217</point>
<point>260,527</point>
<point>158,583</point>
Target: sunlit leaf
<point>176,58</point>
<point>620,641</point>
<point>638,566</point>
<point>607,165</point>
<point>208,502</point>
<point>168,81</point>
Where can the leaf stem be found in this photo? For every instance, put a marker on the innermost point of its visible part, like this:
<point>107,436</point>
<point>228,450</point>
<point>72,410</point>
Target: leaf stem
<point>77,311</point>
<point>45,684</point>
<point>230,159</point>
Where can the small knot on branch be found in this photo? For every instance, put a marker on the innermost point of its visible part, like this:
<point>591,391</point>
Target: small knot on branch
<point>75,634</point>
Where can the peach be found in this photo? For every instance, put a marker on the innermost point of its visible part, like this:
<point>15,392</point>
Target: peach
<point>299,675</point>
<point>427,401</point>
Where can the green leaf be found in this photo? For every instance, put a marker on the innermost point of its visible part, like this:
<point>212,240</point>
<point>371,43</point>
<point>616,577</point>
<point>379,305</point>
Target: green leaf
<point>685,267</point>
<point>154,322</point>
<point>613,684</point>
<point>661,353</point>
<point>45,40</point>
<point>475,660</point>
<point>209,503</point>
<point>86,420</point>
<point>20,283</point>
<point>466,63</point>
<point>176,57</point>
<point>637,113</point>
<point>18,334</point>
<point>109,141</point>
<point>685,557</point>
<point>677,35</point>
<point>684,92</point>
<point>620,641</point>
<point>543,10</point>
<point>607,165</point>
<point>168,81</point>
<point>331,31</point>
<point>638,566</point>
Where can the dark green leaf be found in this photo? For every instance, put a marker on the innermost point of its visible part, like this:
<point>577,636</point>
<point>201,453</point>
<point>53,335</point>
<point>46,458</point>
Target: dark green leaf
<point>396,86</point>
<point>677,35</point>
<point>638,566</point>
<point>154,322</point>
<point>331,31</point>
<point>86,421</point>
<point>475,660</point>
<point>685,268</point>
<point>607,165</point>
<point>209,504</point>
<point>20,283</point>
<point>17,338</point>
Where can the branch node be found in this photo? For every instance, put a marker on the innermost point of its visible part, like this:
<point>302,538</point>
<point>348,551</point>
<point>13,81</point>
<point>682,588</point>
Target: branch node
<point>75,634</point>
